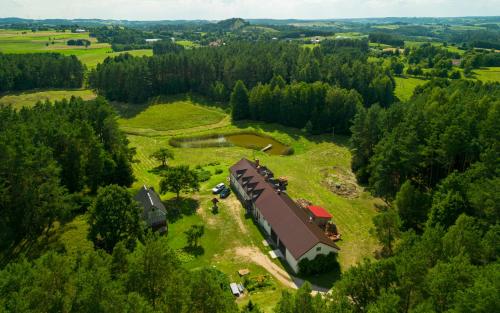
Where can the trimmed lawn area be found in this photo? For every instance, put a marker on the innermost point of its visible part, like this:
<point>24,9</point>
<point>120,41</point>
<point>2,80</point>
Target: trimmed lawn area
<point>406,85</point>
<point>179,114</point>
<point>30,98</point>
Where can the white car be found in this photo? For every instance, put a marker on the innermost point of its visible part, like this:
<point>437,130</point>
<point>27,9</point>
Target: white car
<point>218,188</point>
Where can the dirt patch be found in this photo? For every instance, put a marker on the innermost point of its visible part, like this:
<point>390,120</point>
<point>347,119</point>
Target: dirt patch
<point>234,209</point>
<point>341,182</point>
<point>256,256</point>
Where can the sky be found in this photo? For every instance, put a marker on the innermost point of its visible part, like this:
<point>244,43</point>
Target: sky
<point>222,9</point>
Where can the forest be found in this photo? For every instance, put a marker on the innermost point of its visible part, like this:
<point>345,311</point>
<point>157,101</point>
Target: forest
<point>214,73</point>
<point>39,70</point>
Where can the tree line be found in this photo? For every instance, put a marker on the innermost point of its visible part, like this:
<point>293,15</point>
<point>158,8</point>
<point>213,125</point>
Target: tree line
<point>318,107</point>
<point>147,279</point>
<point>435,161</point>
<point>53,155</point>
<point>39,70</point>
<point>214,71</point>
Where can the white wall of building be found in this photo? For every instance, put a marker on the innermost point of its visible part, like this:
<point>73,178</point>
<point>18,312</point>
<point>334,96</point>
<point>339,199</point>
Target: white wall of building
<point>311,255</point>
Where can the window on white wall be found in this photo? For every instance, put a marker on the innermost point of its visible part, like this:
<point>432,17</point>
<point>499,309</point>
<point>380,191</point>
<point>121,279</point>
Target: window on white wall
<point>318,248</point>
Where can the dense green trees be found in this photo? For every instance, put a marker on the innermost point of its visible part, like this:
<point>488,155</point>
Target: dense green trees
<point>214,71</point>
<point>179,179</point>
<point>113,217</point>
<point>239,102</point>
<point>150,280</point>
<point>318,106</point>
<point>39,70</point>
<point>435,162</point>
<point>50,152</point>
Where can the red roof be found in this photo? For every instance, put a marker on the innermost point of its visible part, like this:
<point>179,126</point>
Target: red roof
<point>319,211</point>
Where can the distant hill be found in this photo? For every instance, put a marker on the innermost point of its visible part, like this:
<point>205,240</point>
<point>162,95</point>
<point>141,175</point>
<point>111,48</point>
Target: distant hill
<point>232,24</point>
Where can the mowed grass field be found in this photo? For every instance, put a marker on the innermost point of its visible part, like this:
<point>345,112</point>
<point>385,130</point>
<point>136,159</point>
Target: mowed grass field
<point>30,98</point>
<point>178,114</point>
<point>14,41</point>
<point>406,85</point>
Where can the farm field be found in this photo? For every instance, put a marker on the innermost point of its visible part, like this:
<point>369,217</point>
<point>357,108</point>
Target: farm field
<point>14,41</point>
<point>30,98</point>
<point>485,74</point>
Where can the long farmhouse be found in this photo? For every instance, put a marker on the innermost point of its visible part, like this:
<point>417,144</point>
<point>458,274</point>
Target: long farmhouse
<point>290,228</point>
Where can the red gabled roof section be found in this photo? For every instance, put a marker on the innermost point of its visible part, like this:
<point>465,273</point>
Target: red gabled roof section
<point>318,211</point>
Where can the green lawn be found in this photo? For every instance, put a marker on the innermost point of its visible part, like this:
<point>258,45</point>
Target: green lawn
<point>14,41</point>
<point>187,43</point>
<point>179,114</point>
<point>491,74</point>
<point>406,85</point>
<point>30,98</point>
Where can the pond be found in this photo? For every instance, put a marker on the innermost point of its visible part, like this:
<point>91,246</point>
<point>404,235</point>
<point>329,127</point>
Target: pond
<point>252,141</point>
<point>245,140</point>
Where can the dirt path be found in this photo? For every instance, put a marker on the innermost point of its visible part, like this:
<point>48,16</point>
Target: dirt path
<point>258,257</point>
<point>234,209</point>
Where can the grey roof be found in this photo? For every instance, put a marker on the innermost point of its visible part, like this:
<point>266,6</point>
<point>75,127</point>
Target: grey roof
<point>149,199</point>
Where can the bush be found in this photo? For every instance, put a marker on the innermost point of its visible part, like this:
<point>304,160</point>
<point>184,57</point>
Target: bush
<point>321,264</point>
<point>203,175</point>
<point>257,282</point>
<point>218,171</point>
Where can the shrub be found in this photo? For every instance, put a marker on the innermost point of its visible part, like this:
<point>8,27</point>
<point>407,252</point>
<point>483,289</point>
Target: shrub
<point>218,171</point>
<point>321,264</point>
<point>203,175</point>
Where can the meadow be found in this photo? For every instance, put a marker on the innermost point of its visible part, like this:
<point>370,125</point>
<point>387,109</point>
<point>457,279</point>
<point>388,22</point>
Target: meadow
<point>406,85</point>
<point>485,74</point>
<point>30,98</point>
<point>26,41</point>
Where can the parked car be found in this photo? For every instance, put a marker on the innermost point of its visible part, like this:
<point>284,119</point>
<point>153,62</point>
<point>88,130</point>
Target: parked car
<point>217,189</point>
<point>225,193</point>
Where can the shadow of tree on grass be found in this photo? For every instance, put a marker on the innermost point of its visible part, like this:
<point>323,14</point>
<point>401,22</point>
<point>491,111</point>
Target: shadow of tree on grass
<point>177,208</point>
<point>196,251</point>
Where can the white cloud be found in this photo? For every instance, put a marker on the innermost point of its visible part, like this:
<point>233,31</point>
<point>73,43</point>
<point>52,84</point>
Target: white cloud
<point>220,9</point>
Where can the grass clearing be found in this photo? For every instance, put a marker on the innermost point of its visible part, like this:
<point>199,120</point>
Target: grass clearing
<point>488,74</point>
<point>173,115</point>
<point>30,98</point>
<point>406,85</point>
